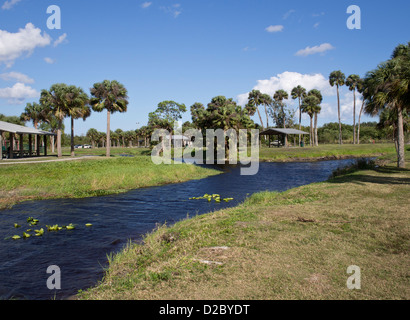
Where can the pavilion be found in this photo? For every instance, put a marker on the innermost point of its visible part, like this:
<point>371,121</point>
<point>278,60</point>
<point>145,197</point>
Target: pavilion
<point>13,129</point>
<point>280,132</point>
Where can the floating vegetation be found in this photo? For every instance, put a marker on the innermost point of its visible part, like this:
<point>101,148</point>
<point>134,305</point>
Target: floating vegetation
<point>53,228</point>
<point>40,232</point>
<point>70,227</point>
<point>216,197</point>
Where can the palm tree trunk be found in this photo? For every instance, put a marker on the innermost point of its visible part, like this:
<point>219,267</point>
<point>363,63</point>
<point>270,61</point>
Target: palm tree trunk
<point>260,118</point>
<point>300,121</point>
<point>52,144</point>
<point>354,116</point>
<point>108,144</point>
<point>400,139</point>
<point>316,137</point>
<point>59,151</point>
<point>267,118</point>
<point>338,114</point>
<point>72,137</point>
<point>311,131</point>
<point>358,125</point>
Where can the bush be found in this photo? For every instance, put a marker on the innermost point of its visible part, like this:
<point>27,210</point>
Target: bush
<point>360,164</point>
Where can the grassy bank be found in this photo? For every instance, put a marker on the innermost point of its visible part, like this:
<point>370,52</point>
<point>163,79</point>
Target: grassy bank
<point>292,245</point>
<point>325,152</point>
<point>88,177</point>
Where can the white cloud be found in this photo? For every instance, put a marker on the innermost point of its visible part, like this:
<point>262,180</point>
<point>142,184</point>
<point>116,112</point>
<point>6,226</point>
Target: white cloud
<point>346,106</point>
<point>18,93</point>
<point>13,45</point>
<point>16,76</point>
<point>175,9</point>
<point>316,25</point>
<point>60,40</point>
<point>248,49</point>
<point>49,60</point>
<point>287,81</point>
<point>288,14</point>
<point>272,29</point>
<point>9,4</point>
<point>146,4</point>
<point>318,14</point>
<point>316,49</point>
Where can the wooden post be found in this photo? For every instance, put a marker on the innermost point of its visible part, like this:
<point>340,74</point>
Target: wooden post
<point>52,144</point>
<point>1,145</point>
<point>30,145</point>
<point>38,145</point>
<point>45,145</point>
<point>21,146</point>
<point>11,156</point>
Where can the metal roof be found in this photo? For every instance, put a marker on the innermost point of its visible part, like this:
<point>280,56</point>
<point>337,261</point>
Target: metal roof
<point>273,131</point>
<point>15,128</point>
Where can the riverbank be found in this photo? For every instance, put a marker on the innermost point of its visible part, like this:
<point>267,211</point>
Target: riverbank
<point>91,174</point>
<point>88,177</point>
<point>292,245</point>
<point>326,152</point>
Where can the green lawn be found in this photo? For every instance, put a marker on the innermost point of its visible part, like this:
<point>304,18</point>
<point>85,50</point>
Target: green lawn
<point>292,245</point>
<point>88,177</point>
<point>323,152</point>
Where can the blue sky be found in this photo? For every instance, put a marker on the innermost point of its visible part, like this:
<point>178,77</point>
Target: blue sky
<point>192,50</point>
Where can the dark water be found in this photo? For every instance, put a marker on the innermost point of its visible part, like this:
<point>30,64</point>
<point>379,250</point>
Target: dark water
<point>81,254</point>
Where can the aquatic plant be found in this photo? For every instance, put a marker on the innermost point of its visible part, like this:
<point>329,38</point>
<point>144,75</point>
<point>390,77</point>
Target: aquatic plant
<point>209,197</point>
<point>40,232</point>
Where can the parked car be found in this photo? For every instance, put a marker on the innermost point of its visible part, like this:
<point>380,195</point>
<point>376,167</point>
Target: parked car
<point>78,146</point>
<point>276,143</point>
<point>87,146</point>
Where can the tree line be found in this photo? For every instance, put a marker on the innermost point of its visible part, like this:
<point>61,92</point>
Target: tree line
<point>385,92</point>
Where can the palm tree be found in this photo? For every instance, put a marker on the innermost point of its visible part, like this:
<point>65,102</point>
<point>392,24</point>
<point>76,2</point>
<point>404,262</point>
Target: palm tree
<point>299,93</point>
<point>93,135</point>
<point>317,109</point>
<point>279,96</point>
<point>77,108</point>
<point>266,100</point>
<point>112,96</point>
<point>54,102</point>
<point>388,88</point>
<point>353,82</point>
<point>309,106</point>
<point>33,112</point>
<point>254,101</point>
<point>338,78</point>
<point>360,89</point>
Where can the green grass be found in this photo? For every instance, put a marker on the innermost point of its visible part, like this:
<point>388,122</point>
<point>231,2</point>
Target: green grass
<point>325,152</point>
<point>88,177</point>
<point>292,245</point>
